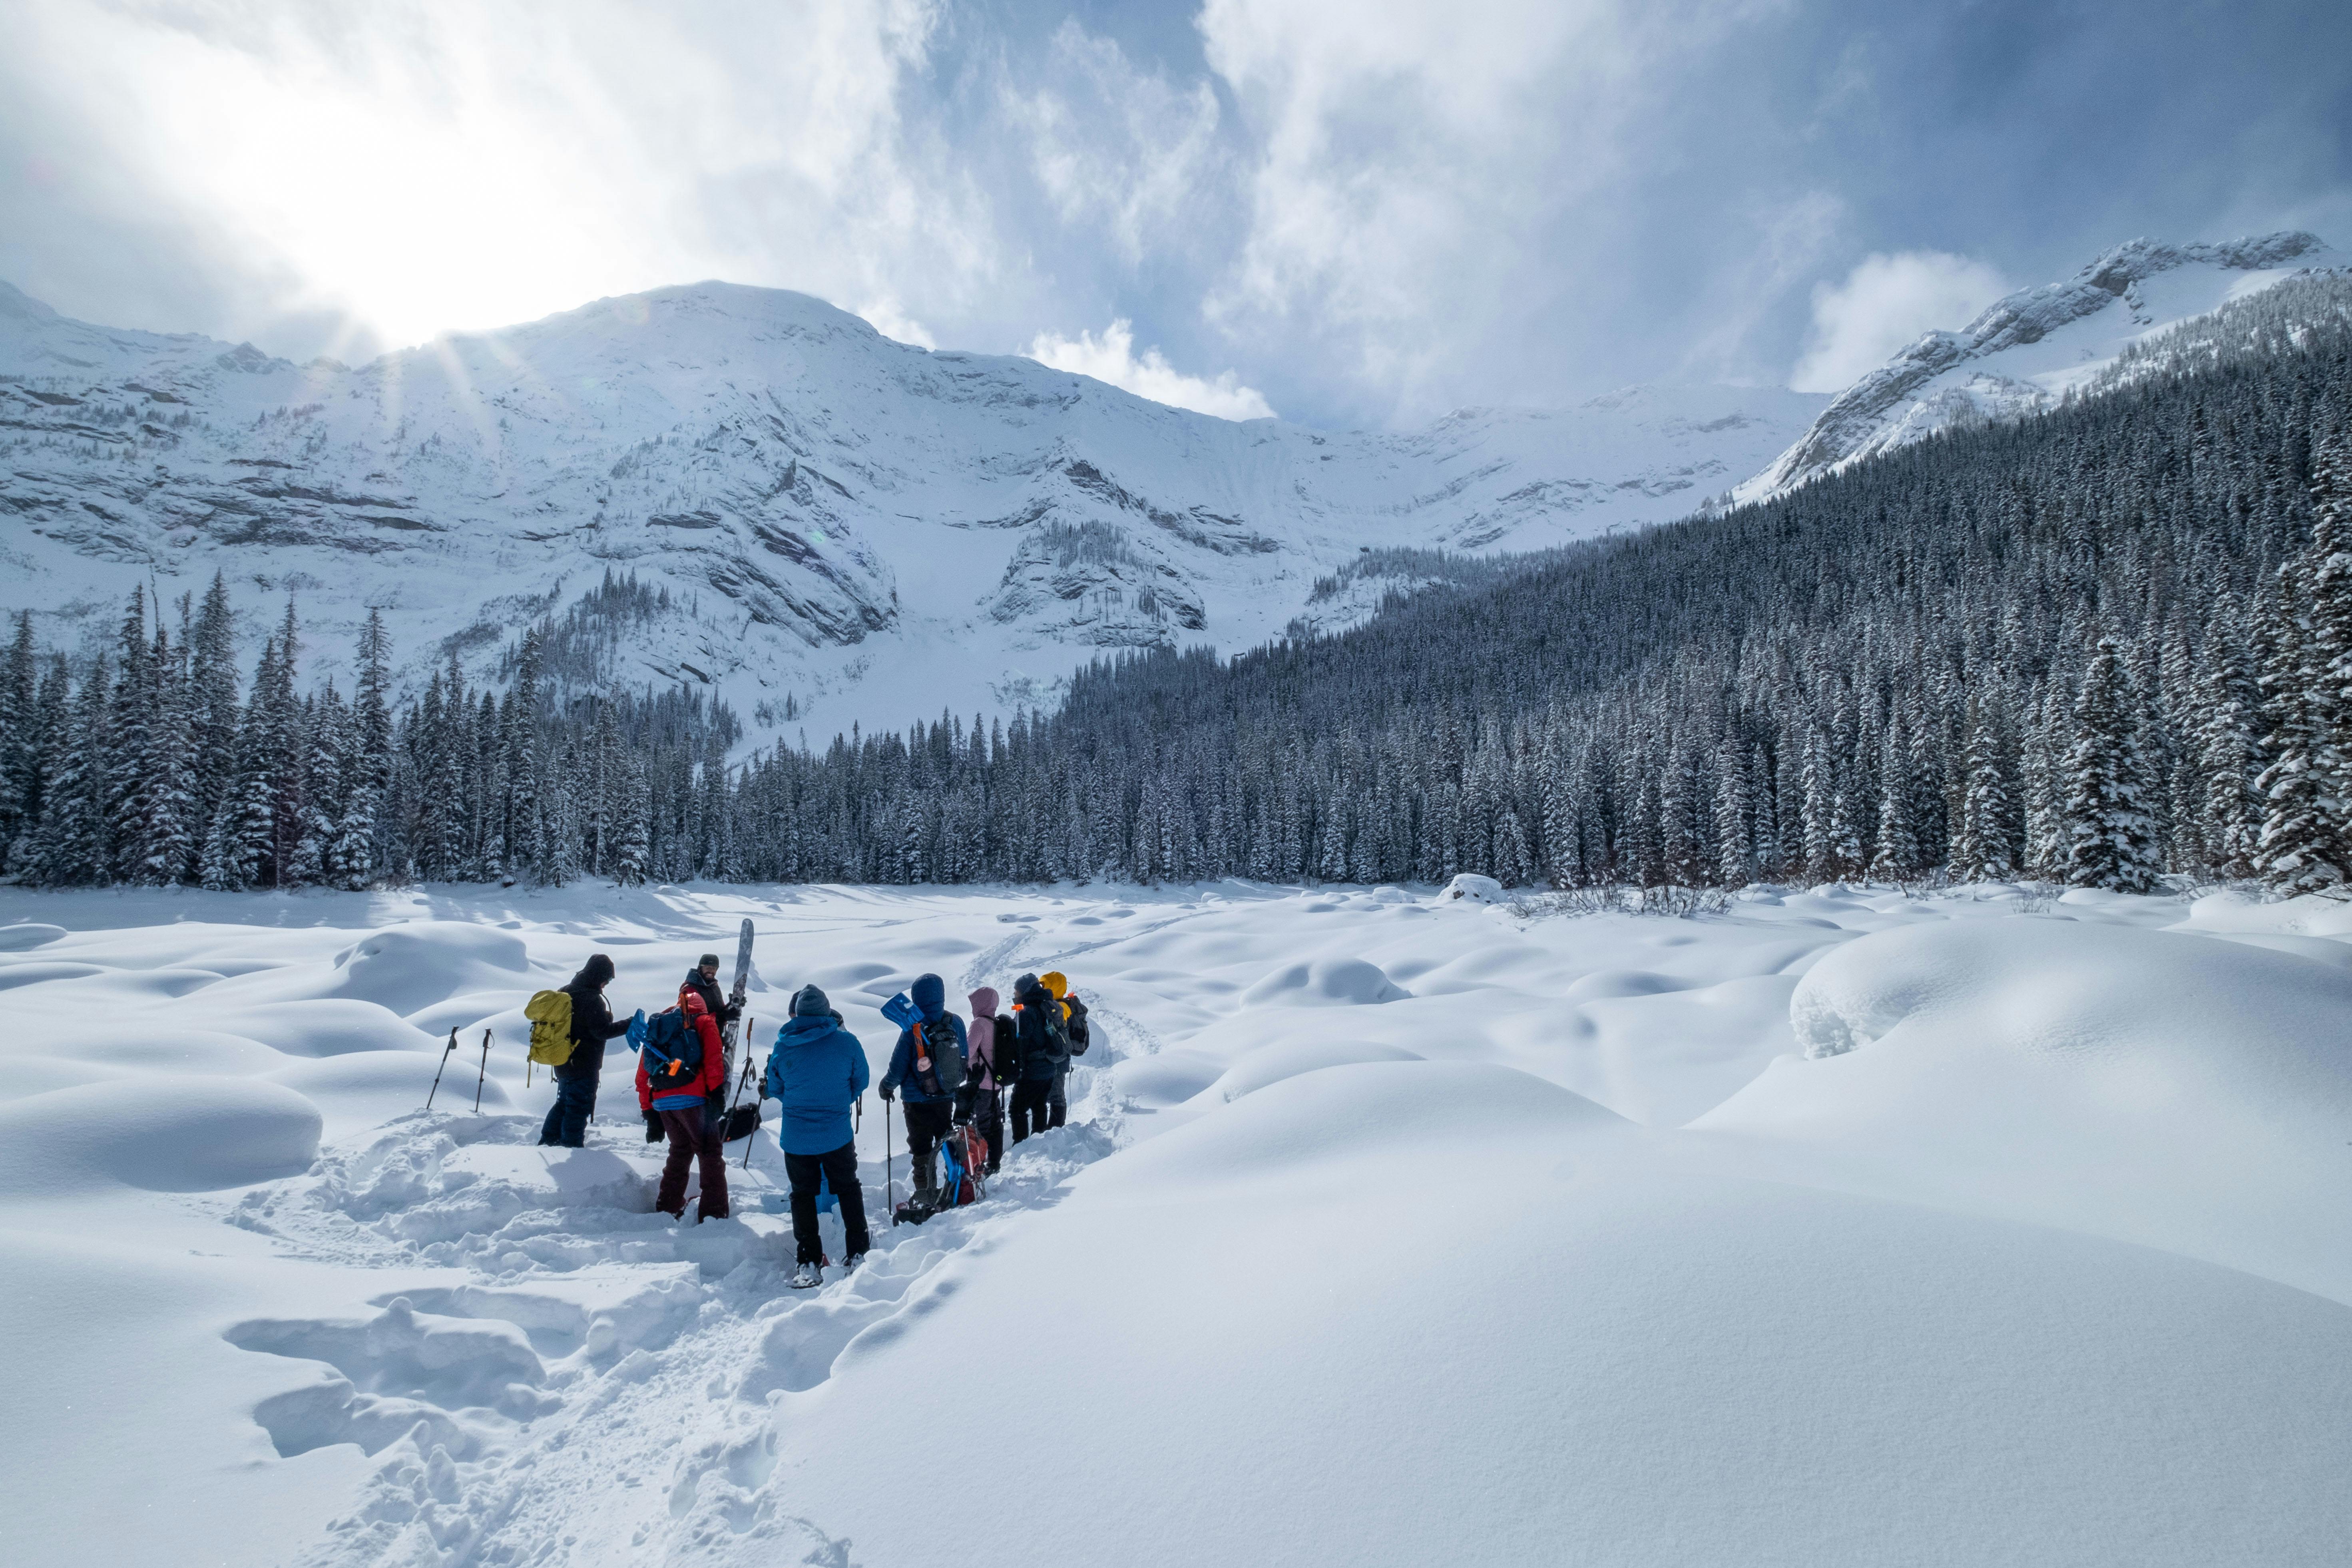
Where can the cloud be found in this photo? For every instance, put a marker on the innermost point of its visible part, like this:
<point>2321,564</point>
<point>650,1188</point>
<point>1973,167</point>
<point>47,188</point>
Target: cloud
<point>1116,147</point>
<point>1883,305</point>
<point>885,318</point>
<point>419,168</point>
<point>1112,358</point>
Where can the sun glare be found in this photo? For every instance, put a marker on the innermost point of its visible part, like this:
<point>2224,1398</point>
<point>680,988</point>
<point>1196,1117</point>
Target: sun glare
<point>414,202</point>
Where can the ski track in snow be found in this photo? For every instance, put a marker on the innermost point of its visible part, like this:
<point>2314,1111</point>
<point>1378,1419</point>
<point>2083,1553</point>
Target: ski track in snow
<point>423,1341</point>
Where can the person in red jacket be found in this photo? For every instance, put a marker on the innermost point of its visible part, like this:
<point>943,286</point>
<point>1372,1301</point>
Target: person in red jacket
<point>679,1106</point>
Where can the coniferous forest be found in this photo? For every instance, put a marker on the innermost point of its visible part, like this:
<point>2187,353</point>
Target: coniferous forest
<point>2100,645</point>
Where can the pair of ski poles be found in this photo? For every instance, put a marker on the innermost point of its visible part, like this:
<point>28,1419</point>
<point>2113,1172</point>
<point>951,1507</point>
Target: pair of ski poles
<point>479,1077</point>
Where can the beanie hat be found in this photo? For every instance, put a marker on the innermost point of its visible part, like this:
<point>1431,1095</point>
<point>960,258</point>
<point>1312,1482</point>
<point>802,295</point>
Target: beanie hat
<point>809,1002</point>
<point>707,960</point>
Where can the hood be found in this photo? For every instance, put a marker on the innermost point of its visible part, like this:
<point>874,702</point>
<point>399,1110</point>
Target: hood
<point>1054,981</point>
<point>930,993</point>
<point>983,1002</point>
<point>597,972</point>
<point>809,1002</point>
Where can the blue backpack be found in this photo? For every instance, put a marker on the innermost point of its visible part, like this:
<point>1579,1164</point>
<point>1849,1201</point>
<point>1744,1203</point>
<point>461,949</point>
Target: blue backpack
<point>672,1052</point>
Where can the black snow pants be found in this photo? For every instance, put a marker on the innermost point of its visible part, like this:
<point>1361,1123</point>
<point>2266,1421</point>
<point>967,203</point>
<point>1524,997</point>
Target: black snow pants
<point>1030,1098</point>
<point>927,1123</point>
<point>838,1170</point>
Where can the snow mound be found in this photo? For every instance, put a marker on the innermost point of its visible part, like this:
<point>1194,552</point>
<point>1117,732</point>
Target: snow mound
<point>1288,1058</point>
<point>28,933</point>
<point>1323,983</point>
<point>405,968</point>
<point>169,1134</point>
<point>1167,1078</point>
<point>327,1029</point>
<point>2181,1091</point>
<point>1471,888</point>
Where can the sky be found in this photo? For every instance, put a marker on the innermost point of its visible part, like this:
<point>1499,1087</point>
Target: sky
<point>1347,212</point>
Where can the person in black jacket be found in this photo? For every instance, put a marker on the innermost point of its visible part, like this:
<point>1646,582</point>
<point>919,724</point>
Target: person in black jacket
<point>703,981</point>
<point>575,1079</point>
<point>1045,1052</point>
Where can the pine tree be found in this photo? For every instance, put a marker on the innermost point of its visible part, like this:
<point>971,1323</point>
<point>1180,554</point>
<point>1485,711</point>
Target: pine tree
<point>2111,833</point>
<point>1985,849</point>
<point>2300,851</point>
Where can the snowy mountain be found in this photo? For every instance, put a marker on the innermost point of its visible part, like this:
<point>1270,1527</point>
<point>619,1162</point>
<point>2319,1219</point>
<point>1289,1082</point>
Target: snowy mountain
<point>2028,350</point>
<point>847,527</point>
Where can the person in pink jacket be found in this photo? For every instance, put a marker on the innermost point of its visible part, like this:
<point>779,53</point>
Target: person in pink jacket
<point>980,1103</point>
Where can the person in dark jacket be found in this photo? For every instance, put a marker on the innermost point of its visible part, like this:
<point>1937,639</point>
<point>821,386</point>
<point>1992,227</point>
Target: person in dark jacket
<point>816,1072</point>
<point>1074,1028</point>
<point>575,1079</point>
<point>981,1102</point>
<point>921,1074</point>
<point>702,981</point>
<point>678,1103</point>
<point>1045,1055</point>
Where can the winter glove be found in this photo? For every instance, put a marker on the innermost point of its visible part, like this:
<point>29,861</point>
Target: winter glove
<point>655,1130</point>
<point>887,1093</point>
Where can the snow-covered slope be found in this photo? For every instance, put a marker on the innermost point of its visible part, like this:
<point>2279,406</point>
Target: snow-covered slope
<point>1388,1229</point>
<point>871,530</point>
<point>2028,350</point>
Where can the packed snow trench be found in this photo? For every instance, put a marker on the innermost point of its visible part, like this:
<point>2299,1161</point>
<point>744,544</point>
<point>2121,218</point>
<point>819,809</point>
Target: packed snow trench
<point>1843,1227</point>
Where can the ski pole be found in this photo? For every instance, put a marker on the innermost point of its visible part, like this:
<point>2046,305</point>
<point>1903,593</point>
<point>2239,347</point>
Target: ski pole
<point>889,1180</point>
<point>742,1078</point>
<point>485,1073</point>
<point>735,1098</point>
<point>446,1052</point>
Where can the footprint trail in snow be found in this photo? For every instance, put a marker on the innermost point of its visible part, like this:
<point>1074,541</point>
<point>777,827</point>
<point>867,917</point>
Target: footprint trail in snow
<point>554,1374</point>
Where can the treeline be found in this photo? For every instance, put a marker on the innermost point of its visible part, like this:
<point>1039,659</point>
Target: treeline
<point>2098,646</point>
<point>147,767</point>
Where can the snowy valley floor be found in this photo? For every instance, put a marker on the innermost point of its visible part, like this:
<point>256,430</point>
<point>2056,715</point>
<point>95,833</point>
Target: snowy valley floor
<point>1843,1228</point>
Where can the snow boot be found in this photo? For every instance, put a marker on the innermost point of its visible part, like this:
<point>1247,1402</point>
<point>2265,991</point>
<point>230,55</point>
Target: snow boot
<point>856,1258</point>
<point>808,1276</point>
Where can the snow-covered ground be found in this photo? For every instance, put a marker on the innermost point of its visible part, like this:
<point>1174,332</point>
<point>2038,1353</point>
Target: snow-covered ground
<point>1845,1228</point>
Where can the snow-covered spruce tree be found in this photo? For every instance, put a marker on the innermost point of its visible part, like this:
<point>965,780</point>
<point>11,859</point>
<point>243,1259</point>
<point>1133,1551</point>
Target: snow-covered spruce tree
<point>1985,849</point>
<point>2299,850</point>
<point>2110,834</point>
<point>169,836</point>
<point>20,741</point>
<point>1736,853</point>
<point>2227,755</point>
<point>633,852</point>
<point>72,846</point>
<point>131,763</point>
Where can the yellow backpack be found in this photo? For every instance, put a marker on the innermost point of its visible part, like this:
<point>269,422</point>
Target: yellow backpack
<point>550,1013</point>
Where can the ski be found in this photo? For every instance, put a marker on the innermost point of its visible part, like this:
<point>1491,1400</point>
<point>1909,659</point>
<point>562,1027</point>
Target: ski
<point>731,1032</point>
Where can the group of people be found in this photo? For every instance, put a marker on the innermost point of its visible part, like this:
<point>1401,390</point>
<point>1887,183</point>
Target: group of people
<point>946,1071</point>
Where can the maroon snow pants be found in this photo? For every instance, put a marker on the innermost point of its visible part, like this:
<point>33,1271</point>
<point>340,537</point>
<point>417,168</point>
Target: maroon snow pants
<point>689,1142</point>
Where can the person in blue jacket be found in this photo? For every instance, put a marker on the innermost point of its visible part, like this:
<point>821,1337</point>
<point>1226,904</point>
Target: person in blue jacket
<point>818,1071</point>
<point>928,1070</point>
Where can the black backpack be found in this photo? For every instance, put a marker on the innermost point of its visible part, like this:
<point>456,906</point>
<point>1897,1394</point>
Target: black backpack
<point>1007,1052</point>
<point>936,1038</point>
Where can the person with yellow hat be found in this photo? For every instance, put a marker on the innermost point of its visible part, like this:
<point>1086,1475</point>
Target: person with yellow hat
<point>1074,1029</point>
<point>1044,1050</point>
